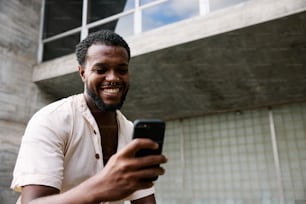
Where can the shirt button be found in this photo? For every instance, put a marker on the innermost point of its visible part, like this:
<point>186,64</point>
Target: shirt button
<point>94,132</point>
<point>97,156</point>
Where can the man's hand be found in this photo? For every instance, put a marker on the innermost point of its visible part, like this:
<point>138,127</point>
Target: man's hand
<point>124,173</point>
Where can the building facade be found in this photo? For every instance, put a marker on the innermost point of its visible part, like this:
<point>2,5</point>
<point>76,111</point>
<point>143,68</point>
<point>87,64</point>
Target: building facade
<point>229,77</point>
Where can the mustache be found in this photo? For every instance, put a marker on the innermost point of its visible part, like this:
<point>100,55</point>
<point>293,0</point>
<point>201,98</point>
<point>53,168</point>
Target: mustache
<point>112,84</point>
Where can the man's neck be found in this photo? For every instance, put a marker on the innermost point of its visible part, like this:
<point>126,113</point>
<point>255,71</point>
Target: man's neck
<point>99,115</point>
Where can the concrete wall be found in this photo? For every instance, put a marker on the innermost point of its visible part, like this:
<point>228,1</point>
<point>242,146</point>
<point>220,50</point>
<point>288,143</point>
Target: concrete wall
<point>19,97</point>
<point>10,135</point>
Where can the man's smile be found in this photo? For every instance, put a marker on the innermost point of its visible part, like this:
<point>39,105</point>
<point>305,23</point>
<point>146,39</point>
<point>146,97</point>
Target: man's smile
<point>111,91</point>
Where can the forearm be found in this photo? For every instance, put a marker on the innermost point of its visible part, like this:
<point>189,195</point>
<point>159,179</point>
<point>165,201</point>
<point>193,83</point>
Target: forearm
<point>58,198</point>
<point>77,195</point>
<point>74,196</point>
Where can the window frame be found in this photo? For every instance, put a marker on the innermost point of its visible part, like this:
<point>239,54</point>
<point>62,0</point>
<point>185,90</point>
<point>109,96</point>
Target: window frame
<point>83,29</point>
<point>204,7</point>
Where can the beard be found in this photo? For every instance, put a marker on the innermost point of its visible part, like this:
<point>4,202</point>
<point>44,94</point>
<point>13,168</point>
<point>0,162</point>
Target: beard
<point>100,103</point>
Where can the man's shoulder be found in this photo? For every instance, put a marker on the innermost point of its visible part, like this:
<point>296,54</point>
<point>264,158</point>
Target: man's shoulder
<point>61,107</point>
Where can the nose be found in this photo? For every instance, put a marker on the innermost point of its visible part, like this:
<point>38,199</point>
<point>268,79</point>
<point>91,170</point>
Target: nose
<point>112,76</point>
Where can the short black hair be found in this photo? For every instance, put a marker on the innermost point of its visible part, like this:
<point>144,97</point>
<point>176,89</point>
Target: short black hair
<point>106,37</point>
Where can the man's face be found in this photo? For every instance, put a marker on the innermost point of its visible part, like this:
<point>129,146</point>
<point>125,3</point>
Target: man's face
<point>105,75</point>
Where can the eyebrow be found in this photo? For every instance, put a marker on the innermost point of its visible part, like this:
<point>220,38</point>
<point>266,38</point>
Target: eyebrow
<point>101,64</point>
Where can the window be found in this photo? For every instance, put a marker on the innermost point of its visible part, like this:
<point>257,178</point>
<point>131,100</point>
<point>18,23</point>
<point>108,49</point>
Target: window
<point>171,11</point>
<point>57,20</point>
<point>65,23</point>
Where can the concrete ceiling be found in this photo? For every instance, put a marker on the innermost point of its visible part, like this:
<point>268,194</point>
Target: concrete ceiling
<point>256,66</point>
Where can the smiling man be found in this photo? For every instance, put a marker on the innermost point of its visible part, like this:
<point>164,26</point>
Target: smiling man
<point>79,149</point>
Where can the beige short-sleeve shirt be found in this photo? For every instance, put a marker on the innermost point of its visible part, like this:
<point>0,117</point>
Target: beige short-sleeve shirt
<point>61,147</point>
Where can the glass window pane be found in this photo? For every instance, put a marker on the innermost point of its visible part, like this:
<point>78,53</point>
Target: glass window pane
<point>100,9</point>
<point>61,16</point>
<point>169,12</point>
<point>130,4</point>
<point>124,26</point>
<point>60,47</point>
<point>143,2</point>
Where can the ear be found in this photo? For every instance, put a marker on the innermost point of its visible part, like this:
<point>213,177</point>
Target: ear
<point>82,72</point>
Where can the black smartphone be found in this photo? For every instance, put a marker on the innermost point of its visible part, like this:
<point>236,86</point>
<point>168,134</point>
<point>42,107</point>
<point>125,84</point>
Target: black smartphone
<point>153,129</point>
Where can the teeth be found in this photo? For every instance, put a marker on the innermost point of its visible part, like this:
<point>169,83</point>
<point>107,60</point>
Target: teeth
<point>111,91</point>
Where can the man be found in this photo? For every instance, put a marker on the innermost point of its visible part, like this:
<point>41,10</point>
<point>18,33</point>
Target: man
<point>79,149</point>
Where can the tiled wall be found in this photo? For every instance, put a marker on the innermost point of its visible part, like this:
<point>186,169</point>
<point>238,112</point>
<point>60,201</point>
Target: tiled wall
<point>228,158</point>
<point>291,135</point>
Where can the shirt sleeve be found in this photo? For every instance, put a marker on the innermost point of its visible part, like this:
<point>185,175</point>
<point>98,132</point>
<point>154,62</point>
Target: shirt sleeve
<point>41,154</point>
<point>141,193</point>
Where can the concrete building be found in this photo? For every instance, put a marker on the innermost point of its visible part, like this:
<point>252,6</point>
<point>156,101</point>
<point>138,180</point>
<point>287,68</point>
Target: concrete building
<point>230,82</point>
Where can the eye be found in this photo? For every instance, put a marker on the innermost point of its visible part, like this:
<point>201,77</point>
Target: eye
<point>123,71</point>
<point>100,71</point>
